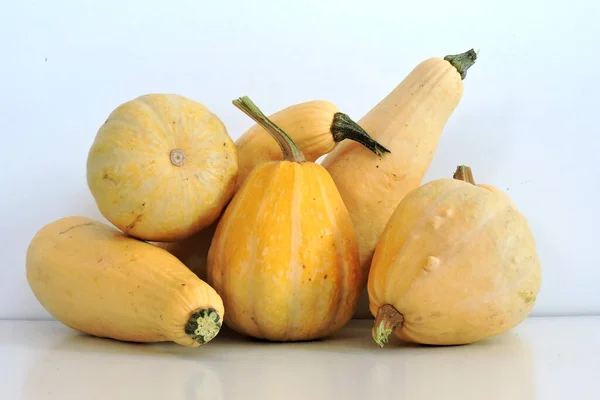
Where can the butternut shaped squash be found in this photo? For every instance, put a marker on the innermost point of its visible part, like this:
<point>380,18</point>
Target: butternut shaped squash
<point>97,280</point>
<point>316,127</point>
<point>409,122</point>
<point>162,167</point>
<point>284,256</point>
<point>456,263</point>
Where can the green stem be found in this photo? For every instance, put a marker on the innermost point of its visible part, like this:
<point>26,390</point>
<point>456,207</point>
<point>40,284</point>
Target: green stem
<point>343,127</point>
<point>462,62</point>
<point>464,173</point>
<point>388,319</point>
<point>203,325</point>
<point>290,151</point>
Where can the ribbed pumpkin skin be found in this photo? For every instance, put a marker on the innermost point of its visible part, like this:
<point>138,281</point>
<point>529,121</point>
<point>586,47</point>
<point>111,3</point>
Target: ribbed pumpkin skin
<point>309,126</point>
<point>134,181</point>
<point>95,279</point>
<point>284,256</point>
<point>458,261</point>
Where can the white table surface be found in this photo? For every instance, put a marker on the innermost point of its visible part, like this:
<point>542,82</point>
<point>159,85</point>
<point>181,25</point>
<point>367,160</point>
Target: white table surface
<point>543,358</point>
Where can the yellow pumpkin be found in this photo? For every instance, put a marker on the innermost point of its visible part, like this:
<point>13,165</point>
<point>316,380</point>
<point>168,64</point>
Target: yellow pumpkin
<point>409,121</point>
<point>316,127</point>
<point>284,256</point>
<point>456,263</point>
<point>97,280</point>
<point>162,167</point>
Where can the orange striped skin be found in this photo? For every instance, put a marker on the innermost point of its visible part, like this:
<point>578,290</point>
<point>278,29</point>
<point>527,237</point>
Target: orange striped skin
<point>284,256</point>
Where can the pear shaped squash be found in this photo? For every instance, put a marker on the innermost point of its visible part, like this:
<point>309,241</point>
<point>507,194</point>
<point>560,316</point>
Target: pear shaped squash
<point>456,263</point>
<point>284,256</point>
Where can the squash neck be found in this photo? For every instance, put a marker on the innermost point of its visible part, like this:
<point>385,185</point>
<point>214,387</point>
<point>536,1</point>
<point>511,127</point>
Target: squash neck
<point>203,325</point>
<point>464,173</point>
<point>291,152</point>
<point>343,127</point>
<point>462,62</point>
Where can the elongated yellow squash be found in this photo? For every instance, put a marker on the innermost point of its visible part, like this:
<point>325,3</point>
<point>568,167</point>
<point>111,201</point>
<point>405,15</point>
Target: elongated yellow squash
<point>409,122</point>
<point>316,127</point>
<point>95,279</point>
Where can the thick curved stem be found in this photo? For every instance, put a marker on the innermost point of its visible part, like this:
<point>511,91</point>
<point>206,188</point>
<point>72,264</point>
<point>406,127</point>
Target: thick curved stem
<point>464,173</point>
<point>203,325</point>
<point>343,127</point>
<point>388,319</point>
<point>462,62</point>
<point>290,151</point>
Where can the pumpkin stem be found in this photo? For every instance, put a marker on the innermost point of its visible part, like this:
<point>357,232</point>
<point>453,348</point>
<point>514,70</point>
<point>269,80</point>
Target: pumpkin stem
<point>343,127</point>
<point>290,150</point>
<point>204,324</point>
<point>177,157</point>
<point>388,319</point>
<point>464,173</point>
<point>462,62</point>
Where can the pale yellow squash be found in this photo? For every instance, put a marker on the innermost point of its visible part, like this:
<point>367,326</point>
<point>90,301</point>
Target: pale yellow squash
<point>97,280</point>
<point>409,122</point>
<point>457,263</point>
<point>316,127</point>
<point>162,167</point>
<point>284,256</point>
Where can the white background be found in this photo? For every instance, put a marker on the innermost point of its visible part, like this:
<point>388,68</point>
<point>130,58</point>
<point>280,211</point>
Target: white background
<point>528,121</point>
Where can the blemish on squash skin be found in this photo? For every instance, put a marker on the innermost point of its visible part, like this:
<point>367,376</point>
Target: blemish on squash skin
<point>75,226</point>
<point>137,220</point>
<point>107,177</point>
<point>528,297</point>
<point>436,222</point>
<point>431,263</point>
